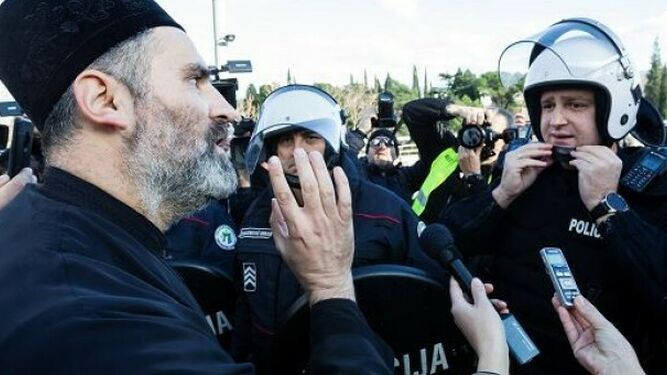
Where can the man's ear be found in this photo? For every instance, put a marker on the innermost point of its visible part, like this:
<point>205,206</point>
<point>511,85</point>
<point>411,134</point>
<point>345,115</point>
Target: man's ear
<point>103,100</point>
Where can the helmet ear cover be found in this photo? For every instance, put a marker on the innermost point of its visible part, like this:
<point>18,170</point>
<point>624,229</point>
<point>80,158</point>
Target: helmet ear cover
<point>533,94</point>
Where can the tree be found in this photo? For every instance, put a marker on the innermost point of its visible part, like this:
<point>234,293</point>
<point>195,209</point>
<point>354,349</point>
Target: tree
<point>415,82</point>
<point>653,77</point>
<point>501,96</point>
<point>662,98</point>
<point>289,76</point>
<point>402,93</point>
<point>264,91</point>
<point>462,84</point>
<point>351,79</point>
<point>377,86</point>
<point>250,104</point>
<point>365,79</point>
<point>426,93</point>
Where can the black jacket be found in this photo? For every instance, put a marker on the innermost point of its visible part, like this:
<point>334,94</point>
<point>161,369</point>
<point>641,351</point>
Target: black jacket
<point>421,117</point>
<point>605,261</point>
<point>85,291</point>
<point>385,233</point>
<point>209,235</point>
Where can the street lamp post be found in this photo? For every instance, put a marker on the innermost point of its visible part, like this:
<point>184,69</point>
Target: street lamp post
<point>215,32</point>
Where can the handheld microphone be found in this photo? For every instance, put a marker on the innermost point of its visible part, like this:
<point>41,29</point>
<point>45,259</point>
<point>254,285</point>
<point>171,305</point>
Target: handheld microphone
<point>438,243</point>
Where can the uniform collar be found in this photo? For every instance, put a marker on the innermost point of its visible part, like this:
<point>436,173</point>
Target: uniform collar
<point>67,188</point>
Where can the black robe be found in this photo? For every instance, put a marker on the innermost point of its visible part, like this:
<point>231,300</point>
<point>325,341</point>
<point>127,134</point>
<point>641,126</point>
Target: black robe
<point>85,291</point>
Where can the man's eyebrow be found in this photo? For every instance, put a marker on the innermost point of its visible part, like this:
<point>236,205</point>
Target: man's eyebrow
<point>195,69</point>
<point>578,97</point>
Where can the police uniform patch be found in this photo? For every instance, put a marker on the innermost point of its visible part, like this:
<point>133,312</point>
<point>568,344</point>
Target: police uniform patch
<point>256,233</point>
<point>249,277</point>
<point>225,237</point>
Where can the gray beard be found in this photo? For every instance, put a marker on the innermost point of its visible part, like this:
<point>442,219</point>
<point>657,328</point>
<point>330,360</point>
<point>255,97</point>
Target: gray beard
<point>174,172</point>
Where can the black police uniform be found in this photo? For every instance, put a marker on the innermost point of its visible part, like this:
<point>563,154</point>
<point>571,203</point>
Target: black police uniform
<point>551,213</point>
<point>85,291</point>
<point>209,235</point>
<point>385,232</point>
<point>420,116</point>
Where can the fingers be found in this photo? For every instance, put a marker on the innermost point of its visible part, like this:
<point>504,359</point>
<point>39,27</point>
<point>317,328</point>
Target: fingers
<point>278,227</point>
<point>488,287</point>
<point>589,313</point>
<point>10,188</point>
<point>281,190</point>
<point>344,194</point>
<point>265,165</point>
<point>526,163</point>
<point>278,219</point>
<point>478,291</point>
<point>456,294</point>
<point>500,306</point>
<point>326,188</point>
<point>309,188</point>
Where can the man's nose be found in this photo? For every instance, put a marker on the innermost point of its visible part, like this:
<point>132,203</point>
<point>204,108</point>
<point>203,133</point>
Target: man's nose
<point>558,116</point>
<point>220,109</point>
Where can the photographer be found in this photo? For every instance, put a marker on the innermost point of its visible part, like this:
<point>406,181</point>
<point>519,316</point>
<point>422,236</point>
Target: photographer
<point>564,191</point>
<point>420,116</point>
<point>444,172</point>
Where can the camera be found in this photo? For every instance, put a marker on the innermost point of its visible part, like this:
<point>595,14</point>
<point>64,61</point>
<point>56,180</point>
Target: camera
<point>386,115</point>
<point>239,143</point>
<point>473,136</point>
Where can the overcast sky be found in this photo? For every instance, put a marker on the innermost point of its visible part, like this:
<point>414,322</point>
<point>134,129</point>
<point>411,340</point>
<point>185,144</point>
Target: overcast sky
<point>327,40</point>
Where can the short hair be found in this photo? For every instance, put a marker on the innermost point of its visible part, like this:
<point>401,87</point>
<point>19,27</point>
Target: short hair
<point>129,62</point>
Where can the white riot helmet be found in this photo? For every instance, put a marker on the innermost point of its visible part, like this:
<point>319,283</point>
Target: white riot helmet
<point>291,108</point>
<point>576,53</point>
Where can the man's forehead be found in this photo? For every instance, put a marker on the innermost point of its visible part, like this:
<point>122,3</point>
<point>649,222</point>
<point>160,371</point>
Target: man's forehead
<point>567,94</point>
<point>176,50</point>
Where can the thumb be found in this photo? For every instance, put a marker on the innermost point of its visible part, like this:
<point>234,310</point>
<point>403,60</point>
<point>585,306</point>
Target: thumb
<point>588,311</point>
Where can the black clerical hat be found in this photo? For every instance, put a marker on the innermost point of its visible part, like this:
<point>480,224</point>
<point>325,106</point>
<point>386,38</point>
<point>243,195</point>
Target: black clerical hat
<point>45,44</point>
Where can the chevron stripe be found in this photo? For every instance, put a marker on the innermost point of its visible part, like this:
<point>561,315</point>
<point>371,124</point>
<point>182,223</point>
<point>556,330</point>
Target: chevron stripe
<point>249,277</point>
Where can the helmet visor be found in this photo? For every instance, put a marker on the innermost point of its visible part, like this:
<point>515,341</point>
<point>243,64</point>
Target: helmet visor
<point>295,108</point>
<point>571,50</point>
<point>327,128</point>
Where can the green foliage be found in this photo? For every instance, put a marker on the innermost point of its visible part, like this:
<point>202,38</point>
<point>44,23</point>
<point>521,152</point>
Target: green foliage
<point>654,76</point>
<point>462,84</point>
<point>415,82</point>
<point>662,98</point>
<point>465,88</point>
<point>402,93</point>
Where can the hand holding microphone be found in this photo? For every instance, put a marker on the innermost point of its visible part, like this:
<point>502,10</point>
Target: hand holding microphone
<point>438,243</point>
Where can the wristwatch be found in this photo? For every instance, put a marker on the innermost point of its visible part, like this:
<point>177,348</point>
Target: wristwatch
<point>474,178</point>
<point>610,204</point>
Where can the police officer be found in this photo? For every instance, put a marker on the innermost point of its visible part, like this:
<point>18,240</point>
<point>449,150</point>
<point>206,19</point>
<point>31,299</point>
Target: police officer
<point>209,235</point>
<point>582,95</point>
<point>296,118</point>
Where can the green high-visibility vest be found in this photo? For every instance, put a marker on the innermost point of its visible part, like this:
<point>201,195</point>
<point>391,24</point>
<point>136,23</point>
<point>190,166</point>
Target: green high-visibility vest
<point>441,168</point>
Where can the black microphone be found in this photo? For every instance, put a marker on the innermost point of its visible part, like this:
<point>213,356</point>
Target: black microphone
<point>438,243</point>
